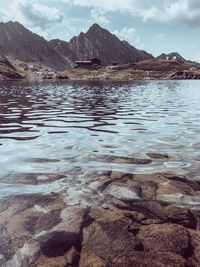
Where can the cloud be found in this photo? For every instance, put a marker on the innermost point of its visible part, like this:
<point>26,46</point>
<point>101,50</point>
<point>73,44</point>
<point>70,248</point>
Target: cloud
<point>35,14</point>
<point>99,16</point>
<point>185,11</point>
<point>130,35</point>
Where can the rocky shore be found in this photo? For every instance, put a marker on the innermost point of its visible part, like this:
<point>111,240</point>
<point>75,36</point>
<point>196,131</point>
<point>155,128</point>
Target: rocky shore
<point>114,219</point>
<point>155,69</point>
<point>7,70</point>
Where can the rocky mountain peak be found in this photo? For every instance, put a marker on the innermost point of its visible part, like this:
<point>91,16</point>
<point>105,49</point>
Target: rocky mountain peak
<point>95,28</point>
<point>18,43</point>
<point>99,42</point>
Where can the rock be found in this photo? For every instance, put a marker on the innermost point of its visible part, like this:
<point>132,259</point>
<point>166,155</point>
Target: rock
<point>158,156</point>
<point>123,192</point>
<point>42,221</point>
<point>184,180</point>
<point>127,160</point>
<point>182,216</point>
<point>107,240</point>
<point>22,45</point>
<point>7,70</point>
<point>179,200</point>
<point>165,238</point>
<point>100,43</point>
<point>149,259</point>
<point>174,187</point>
<point>150,209</point>
<point>149,189</point>
<point>56,244</point>
<point>6,249</point>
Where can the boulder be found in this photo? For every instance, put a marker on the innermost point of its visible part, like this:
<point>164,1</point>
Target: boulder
<point>165,238</point>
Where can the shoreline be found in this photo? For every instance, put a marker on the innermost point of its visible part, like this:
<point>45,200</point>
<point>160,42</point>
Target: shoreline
<point>155,69</point>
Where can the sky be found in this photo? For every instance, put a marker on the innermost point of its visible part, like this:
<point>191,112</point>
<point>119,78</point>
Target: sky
<point>156,26</point>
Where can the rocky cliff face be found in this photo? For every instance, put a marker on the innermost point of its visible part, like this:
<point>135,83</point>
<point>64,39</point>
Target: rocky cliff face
<point>18,43</point>
<point>63,49</point>
<point>7,71</point>
<point>98,42</point>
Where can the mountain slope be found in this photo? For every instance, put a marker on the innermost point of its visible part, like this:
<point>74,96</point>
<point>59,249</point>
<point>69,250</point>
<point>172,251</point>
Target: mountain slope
<point>63,49</point>
<point>7,71</point>
<point>18,43</point>
<point>99,42</point>
<point>172,55</point>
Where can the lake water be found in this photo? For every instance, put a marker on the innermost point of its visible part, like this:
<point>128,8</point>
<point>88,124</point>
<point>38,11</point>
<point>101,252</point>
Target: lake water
<point>69,130</point>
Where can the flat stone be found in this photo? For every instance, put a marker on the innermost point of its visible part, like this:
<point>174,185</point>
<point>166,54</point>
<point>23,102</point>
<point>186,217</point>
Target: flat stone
<point>150,209</point>
<point>180,200</point>
<point>149,189</point>
<point>123,193</point>
<point>158,156</point>
<point>182,216</point>
<point>149,259</point>
<point>165,238</point>
<point>107,238</point>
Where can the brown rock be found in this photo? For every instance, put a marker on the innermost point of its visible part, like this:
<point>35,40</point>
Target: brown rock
<point>124,192</point>
<point>182,216</point>
<point>107,238</point>
<point>150,209</point>
<point>149,259</point>
<point>149,189</point>
<point>158,156</point>
<point>165,238</point>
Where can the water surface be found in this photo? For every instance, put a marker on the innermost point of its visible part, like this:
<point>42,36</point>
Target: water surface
<point>57,133</point>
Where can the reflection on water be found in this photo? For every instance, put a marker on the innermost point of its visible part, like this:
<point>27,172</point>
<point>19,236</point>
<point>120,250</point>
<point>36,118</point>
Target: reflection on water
<point>59,128</point>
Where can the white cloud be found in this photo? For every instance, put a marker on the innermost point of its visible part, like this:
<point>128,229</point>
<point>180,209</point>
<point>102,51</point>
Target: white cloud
<point>43,12</point>
<point>130,35</point>
<point>99,16</point>
<point>35,13</point>
<point>186,11</point>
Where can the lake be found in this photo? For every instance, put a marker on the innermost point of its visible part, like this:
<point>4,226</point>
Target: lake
<point>57,133</point>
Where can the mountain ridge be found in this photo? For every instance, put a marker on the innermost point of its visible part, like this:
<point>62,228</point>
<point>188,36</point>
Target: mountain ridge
<point>19,43</point>
<point>99,42</point>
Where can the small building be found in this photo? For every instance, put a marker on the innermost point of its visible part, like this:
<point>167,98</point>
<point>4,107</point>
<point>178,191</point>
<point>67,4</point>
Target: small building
<point>115,64</point>
<point>94,62</point>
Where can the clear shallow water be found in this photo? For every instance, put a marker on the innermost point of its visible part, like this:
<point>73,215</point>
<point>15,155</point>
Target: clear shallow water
<point>67,129</point>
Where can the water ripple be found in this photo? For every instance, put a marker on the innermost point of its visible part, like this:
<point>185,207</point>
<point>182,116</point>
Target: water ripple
<point>56,127</point>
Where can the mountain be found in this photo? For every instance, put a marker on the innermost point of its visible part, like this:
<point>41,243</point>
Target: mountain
<point>100,43</point>
<point>18,43</point>
<point>63,49</point>
<point>172,55</point>
<point>7,70</point>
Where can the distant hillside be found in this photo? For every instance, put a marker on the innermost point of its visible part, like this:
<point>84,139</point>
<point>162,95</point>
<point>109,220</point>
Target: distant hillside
<point>172,55</point>
<point>100,43</point>
<point>18,43</point>
<point>7,71</point>
<point>63,49</point>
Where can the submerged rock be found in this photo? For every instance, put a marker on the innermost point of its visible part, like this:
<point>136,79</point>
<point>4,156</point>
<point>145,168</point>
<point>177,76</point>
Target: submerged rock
<point>165,238</point>
<point>124,193</point>
<point>116,220</point>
